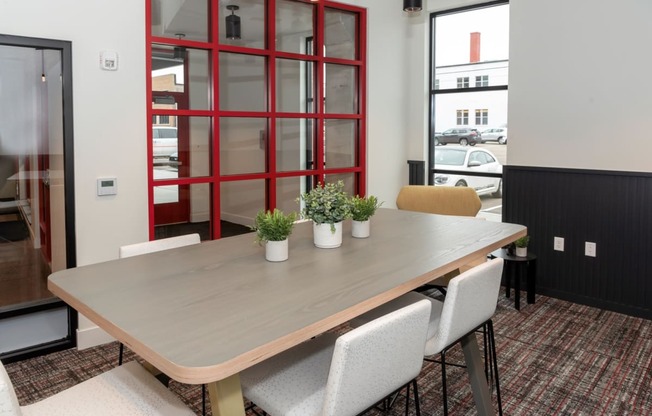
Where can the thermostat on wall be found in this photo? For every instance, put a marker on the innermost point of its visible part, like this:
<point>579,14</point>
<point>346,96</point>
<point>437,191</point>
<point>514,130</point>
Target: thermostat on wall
<point>107,186</point>
<point>109,60</point>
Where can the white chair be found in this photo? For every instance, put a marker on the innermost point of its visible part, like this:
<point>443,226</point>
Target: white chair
<point>469,304</point>
<point>125,390</point>
<point>331,376</point>
<point>152,247</point>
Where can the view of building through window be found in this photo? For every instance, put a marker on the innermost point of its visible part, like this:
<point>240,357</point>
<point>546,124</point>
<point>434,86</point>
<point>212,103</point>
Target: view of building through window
<point>469,71</point>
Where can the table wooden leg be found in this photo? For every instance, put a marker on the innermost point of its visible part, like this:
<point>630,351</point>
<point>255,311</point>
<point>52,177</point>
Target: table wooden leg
<point>475,369</point>
<point>226,397</point>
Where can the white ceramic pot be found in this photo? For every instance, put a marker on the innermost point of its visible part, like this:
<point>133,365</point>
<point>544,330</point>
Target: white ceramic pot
<point>276,250</point>
<point>521,251</point>
<point>360,229</point>
<point>324,237</point>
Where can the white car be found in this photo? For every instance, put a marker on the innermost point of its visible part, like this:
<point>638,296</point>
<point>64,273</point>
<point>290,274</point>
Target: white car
<point>468,159</point>
<point>164,141</point>
<point>496,135</point>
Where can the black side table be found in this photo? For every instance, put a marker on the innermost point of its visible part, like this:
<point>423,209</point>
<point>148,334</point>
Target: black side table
<point>516,267</point>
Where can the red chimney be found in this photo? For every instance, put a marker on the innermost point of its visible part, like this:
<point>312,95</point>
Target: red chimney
<point>475,47</point>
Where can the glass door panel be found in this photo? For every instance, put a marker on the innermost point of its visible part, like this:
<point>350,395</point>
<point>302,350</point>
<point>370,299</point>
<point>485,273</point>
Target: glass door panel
<point>187,19</point>
<point>243,85</point>
<point>294,144</point>
<point>294,81</point>
<point>251,16</point>
<point>197,197</point>
<point>294,24</point>
<point>181,70</point>
<point>341,88</point>
<point>288,190</point>
<point>243,145</point>
<point>340,143</point>
<point>240,202</point>
<point>340,32</point>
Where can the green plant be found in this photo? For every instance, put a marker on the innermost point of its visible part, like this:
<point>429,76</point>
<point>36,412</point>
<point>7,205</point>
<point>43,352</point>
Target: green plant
<point>326,204</point>
<point>273,226</point>
<point>363,208</point>
<point>522,242</point>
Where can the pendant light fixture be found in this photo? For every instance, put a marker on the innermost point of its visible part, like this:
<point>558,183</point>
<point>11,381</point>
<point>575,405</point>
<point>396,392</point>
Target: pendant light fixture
<point>412,5</point>
<point>233,23</point>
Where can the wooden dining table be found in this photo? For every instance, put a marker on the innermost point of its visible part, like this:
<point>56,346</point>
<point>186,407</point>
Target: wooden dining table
<point>203,313</point>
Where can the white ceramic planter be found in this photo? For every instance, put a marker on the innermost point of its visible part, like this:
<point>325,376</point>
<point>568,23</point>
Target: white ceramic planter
<point>521,251</point>
<point>324,237</point>
<point>276,250</point>
<point>360,229</point>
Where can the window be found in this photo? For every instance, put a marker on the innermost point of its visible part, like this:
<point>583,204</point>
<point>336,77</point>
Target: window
<point>481,117</point>
<point>468,47</point>
<point>462,117</point>
<point>482,81</point>
<point>284,109</point>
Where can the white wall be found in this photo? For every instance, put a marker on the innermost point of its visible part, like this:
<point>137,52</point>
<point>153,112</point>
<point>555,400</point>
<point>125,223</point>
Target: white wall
<point>578,90</point>
<point>109,112</point>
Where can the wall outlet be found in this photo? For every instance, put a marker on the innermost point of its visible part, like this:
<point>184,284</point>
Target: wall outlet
<point>559,244</point>
<point>590,249</point>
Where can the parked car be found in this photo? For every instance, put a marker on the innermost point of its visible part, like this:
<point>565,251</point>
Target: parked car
<point>164,141</point>
<point>497,135</point>
<point>466,159</point>
<point>461,135</point>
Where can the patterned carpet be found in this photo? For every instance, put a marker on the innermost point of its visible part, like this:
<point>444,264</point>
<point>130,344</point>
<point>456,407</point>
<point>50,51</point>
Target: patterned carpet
<point>555,358</point>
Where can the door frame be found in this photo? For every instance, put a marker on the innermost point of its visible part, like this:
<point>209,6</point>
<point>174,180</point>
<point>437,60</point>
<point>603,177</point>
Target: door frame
<point>65,48</point>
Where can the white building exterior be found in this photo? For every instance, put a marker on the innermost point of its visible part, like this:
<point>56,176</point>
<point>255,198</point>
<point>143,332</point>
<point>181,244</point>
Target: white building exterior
<point>481,109</point>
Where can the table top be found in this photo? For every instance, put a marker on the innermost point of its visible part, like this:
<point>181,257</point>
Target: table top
<point>202,313</point>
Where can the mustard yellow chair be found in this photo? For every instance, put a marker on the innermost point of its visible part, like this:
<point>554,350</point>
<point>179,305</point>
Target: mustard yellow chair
<point>444,200</point>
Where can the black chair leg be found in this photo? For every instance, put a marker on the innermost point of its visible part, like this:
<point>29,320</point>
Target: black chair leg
<point>122,348</point>
<point>490,327</point>
<point>443,382</point>
<point>417,405</point>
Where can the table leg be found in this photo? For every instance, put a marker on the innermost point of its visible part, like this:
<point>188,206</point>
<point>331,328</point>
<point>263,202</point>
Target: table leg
<point>531,280</point>
<point>226,397</point>
<point>475,369</point>
<point>518,274</point>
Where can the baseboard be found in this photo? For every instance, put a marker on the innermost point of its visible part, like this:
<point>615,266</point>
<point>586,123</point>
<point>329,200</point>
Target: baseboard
<point>91,337</point>
<point>237,219</point>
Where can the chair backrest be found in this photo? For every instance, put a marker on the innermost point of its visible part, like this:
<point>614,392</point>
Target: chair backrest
<point>375,359</point>
<point>8,401</point>
<point>470,301</point>
<point>446,200</point>
<point>158,245</point>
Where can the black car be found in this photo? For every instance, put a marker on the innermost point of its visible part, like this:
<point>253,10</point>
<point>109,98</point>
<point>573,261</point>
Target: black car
<point>461,135</point>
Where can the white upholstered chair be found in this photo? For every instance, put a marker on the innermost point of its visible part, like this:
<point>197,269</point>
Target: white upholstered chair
<point>340,376</point>
<point>469,304</point>
<point>152,247</point>
<point>125,390</point>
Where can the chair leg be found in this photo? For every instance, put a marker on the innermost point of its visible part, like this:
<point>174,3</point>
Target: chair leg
<point>417,405</point>
<point>122,348</point>
<point>490,327</point>
<point>443,382</point>
<point>407,399</point>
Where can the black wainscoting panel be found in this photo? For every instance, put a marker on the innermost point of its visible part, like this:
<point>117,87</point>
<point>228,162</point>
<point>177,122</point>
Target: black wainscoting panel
<point>611,209</point>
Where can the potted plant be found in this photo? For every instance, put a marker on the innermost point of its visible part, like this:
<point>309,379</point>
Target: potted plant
<point>521,246</point>
<point>327,205</point>
<point>273,229</point>
<point>361,210</point>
